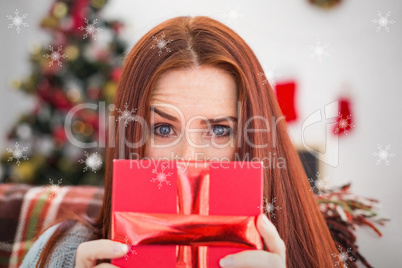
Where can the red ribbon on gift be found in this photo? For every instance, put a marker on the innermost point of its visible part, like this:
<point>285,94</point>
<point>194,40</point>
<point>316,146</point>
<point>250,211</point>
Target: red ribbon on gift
<point>191,229</point>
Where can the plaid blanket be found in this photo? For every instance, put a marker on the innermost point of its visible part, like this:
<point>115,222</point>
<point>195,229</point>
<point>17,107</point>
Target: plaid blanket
<point>27,210</point>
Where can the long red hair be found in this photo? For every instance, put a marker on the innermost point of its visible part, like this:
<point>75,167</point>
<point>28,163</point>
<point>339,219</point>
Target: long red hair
<point>203,41</point>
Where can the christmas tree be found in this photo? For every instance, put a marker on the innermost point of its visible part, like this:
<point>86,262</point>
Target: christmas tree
<point>73,81</point>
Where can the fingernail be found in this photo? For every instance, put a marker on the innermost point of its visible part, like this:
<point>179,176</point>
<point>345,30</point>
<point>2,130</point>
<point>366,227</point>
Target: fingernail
<point>120,248</point>
<point>226,262</point>
<point>265,220</point>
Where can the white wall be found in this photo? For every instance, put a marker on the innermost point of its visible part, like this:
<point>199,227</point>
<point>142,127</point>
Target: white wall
<point>280,32</point>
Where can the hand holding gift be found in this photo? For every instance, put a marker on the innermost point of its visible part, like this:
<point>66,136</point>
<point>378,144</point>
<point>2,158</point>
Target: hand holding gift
<point>91,251</point>
<point>197,214</point>
<point>275,257</point>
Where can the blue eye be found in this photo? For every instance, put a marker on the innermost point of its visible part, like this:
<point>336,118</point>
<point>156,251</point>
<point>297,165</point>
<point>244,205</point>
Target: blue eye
<point>221,131</point>
<point>163,130</point>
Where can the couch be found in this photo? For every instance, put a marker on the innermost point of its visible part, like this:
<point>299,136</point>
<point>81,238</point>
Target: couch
<point>26,210</point>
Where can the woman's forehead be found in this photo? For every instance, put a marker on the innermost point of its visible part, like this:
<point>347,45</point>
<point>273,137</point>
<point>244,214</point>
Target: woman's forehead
<point>197,90</point>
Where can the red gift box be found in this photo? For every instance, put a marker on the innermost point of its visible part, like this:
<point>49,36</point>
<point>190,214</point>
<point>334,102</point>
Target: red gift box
<point>185,213</point>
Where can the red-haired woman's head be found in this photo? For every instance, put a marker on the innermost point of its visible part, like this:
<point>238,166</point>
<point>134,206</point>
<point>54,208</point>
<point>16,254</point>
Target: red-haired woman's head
<point>187,70</point>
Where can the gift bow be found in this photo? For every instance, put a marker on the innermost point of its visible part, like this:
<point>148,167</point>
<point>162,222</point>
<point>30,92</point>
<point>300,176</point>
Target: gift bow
<point>191,229</point>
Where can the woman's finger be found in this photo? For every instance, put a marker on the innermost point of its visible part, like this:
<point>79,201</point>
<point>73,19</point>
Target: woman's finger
<point>252,259</point>
<point>89,252</point>
<point>106,265</point>
<point>271,236</point>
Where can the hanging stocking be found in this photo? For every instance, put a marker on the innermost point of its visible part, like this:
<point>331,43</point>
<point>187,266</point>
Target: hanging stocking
<point>344,121</point>
<point>285,93</point>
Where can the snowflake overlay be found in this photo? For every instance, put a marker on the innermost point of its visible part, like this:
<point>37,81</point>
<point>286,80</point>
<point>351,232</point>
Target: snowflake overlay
<point>161,43</point>
<point>55,56</point>
<point>270,76</point>
<point>233,15</point>
<point>130,248</point>
<point>321,184</point>
<point>319,50</point>
<point>383,154</point>
<point>17,153</point>
<point>126,115</point>
<point>17,21</point>
<point>55,189</point>
<point>343,123</point>
<point>90,29</point>
<point>161,177</point>
<point>383,21</point>
<point>342,257</point>
<point>270,207</point>
<point>92,161</point>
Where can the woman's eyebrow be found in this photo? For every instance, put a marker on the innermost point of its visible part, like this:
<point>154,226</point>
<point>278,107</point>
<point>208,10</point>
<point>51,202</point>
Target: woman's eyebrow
<point>165,115</point>
<point>211,120</point>
<point>219,120</point>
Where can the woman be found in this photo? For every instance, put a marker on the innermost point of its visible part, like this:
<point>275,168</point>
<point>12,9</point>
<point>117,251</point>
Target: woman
<point>185,70</point>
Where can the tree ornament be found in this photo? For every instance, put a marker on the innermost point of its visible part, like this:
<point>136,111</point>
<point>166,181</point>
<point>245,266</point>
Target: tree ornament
<point>325,3</point>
